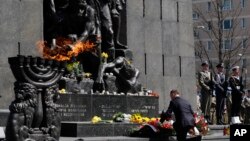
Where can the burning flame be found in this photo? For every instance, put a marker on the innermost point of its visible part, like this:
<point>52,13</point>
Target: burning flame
<point>64,49</point>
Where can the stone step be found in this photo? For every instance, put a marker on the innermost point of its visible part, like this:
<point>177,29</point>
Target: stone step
<point>218,136</point>
<point>95,131</point>
<point>217,128</point>
<point>125,138</point>
<point>88,131</point>
<point>4,113</point>
<point>113,138</point>
<point>2,134</point>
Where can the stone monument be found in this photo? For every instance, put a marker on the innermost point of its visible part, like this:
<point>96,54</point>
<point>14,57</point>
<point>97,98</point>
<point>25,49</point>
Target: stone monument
<point>77,31</point>
<point>33,113</point>
<point>97,22</point>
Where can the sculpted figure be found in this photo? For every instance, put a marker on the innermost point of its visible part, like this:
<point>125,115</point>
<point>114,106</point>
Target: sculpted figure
<point>81,21</point>
<point>21,112</point>
<point>54,18</point>
<point>126,75</point>
<point>53,120</point>
<point>102,8</point>
<point>116,7</point>
<point>73,19</point>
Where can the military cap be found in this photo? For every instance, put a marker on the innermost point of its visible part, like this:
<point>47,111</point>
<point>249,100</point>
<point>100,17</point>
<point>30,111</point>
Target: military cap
<point>235,67</point>
<point>204,63</point>
<point>221,65</point>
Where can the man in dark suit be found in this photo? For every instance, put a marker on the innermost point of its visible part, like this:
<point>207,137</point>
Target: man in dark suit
<point>183,115</point>
<point>220,91</point>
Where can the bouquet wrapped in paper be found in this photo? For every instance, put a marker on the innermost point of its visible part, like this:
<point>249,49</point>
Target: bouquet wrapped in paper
<point>201,124</point>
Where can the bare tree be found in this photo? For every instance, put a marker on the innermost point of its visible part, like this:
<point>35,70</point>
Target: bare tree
<point>220,24</point>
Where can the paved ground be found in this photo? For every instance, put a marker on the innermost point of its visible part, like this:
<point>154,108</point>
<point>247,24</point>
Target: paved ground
<point>213,137</point>
<point>216,134</point>
<point>116,138</point>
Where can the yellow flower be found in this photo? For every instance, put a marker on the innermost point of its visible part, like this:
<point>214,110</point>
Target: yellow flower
<point>69,67</point>
<point>62,91</point>
<point>96,119</point>
<point>128,61</point>
<point>104,55</point>
<point>145,119</point>
<point>153,119</point>
<point>76,64</point>
<point>87,75</point>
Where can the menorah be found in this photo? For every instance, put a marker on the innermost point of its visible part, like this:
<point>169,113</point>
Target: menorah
<point>35,95</point>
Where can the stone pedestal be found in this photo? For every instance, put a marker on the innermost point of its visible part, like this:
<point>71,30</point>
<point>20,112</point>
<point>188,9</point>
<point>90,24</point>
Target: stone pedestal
<point>81,129</point>
<point>82,87</point>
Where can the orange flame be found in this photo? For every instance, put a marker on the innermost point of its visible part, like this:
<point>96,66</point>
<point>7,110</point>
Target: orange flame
<point>62,52</point>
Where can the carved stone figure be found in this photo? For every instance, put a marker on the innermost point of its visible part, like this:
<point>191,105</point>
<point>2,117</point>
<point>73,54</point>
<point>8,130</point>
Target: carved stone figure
<point>73,19</point>
<point>126,75</point>
<point>116,7</point>
<point>81,22</point>
<point>54,18</point>
<point>21,112</point>
<point>52,120</point>
<point>27,119</point>
<point>106,25</point>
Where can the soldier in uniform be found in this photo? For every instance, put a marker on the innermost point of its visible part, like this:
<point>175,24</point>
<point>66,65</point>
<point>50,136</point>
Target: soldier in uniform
<point>237,94</point>
<point>220,91</point>
<point>205,81</point>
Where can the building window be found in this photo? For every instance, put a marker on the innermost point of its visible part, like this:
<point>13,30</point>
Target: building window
<point>196,33</point>
<point>242,3</point>
<point>244,43</point>
<point>244,63</point>
<point>227,5</point>
<point>227,24</point>
<point>209,25</point>
<point>195,16</point>
<point>242,23</point>
<point>209,45</point>
<point>227,44</point>
<point>208,6</point>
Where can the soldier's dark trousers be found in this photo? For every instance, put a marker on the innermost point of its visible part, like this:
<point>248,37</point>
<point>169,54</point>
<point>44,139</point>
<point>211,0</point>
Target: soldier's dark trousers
<point>220,102</point>
<point>236,103</point>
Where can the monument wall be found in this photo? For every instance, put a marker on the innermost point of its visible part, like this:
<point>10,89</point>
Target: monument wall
<point>21,24</point>
<point>161,36</point>
<point>159,32</point>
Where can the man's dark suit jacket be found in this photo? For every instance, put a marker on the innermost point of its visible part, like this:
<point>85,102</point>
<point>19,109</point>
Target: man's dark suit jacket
<point>184,114</point>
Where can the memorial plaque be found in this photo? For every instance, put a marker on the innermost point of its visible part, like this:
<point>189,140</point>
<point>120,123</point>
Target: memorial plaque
<point>145,105</point>
<point>106,106</point>
<point>75,107</point>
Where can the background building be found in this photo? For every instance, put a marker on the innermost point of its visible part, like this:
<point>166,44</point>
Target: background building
<point>159,33</point>
<point>221,33</point>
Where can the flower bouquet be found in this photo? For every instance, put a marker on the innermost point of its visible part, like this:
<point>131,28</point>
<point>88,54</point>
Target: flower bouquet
<point>226,131</point>
<point>154,129</point>
<point>121,117</point>
<point>137,118</point>
<point>97,119</point>
<point>201,124</point>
